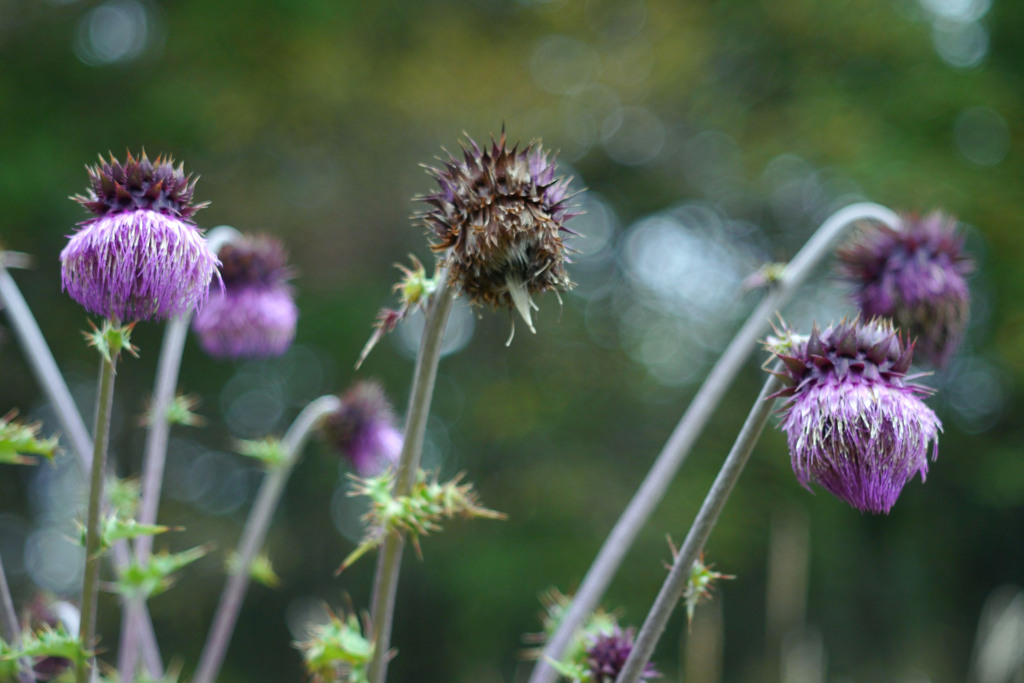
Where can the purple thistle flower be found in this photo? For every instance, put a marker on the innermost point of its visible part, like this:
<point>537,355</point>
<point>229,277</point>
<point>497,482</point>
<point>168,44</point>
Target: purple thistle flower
<point>363,429</point>
<point>141,257</point>
<point>854,424</point>
<point>607,654</point>
<point>500,214</point>
<point>254,315</point>
<point>917,277</point>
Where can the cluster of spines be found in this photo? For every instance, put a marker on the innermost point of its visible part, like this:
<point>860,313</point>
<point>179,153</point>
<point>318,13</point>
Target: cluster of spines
<point>254,260</point>
<point>501,211</point>
<point>140,184</point>
<point>873,351</point>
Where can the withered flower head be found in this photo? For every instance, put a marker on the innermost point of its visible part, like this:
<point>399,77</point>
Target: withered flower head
<point>141,256</point>
<point>254,316</point>
<point>855,425</point>
<point>500,215</point>
<point>918,277</point>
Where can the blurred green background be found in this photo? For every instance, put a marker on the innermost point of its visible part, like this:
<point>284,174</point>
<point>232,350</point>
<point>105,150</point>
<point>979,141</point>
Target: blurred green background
<point>712,137</point>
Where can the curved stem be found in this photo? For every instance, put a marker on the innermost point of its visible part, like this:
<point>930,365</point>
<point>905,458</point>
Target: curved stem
<point>707,398</point>
<point>253,536</point>
<point>679,576</point>
<point>90,582</point>
<point>389,563</point>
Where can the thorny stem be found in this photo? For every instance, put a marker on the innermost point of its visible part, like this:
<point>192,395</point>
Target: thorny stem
<point>692,423</point>
<point>168,367</point>
<point>253,536</point>
<point>53,385</point>
<point>9,628</point>
<point>679,576</point>
<point>90,583</point>
<point>385,583</point>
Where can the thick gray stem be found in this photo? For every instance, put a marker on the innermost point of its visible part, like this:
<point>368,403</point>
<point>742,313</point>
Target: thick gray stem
<point>675,583</point>
<point>385,585</point>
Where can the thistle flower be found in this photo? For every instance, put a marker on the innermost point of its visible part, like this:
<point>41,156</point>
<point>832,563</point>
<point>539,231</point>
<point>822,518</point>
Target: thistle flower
<point>607,654</point>
<point>854,424</point>
<point>917,277</point>
<point>254,315</point>
<point>363,429</point>
<point>141,256</point>
<point>500,215</point>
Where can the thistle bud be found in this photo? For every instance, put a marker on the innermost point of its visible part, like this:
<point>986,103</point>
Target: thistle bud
<point>141,256</point>
<point>500,214</point>
<point>854,424</point>
<point>917,277</point>
<point>363,429</point>
<point>254,315</point>
<point>607,654</point>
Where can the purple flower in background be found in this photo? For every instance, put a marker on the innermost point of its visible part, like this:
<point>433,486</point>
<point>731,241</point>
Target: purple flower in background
<point>254,315</point>
<point>917,277</point>
<point>141,257</point>
<point>500,214</point>
<point>44,611</point>
<point>853,422</point>
<point>607,654</point>
<point>363,429</point>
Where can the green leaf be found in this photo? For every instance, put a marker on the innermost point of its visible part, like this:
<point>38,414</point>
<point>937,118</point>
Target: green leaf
<point>337,644</point>
<point>19,441</point>
<point>111,339</point>
<point>8,662</point>
<point>268,451</point>
<point>116,528</point>
<point>123,495</point>
<point>155,577</point>
<point>421,512</point>
<point>261,570</point>
<point>49,642</point>
<point>577,673</point>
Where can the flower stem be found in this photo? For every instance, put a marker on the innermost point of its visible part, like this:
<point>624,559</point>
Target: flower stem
<point>52,383</point>
<point>152,480</point>
<point>679,575</point>
<point>155,457</point>
<point>385,583</point>
<point>253,536</point>
<point>9,628</point>
<point>692,423</point>
<point>90,583</point>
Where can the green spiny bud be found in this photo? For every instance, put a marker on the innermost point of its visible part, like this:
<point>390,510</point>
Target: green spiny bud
<point>417,514</point>
<point>337,651</point>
